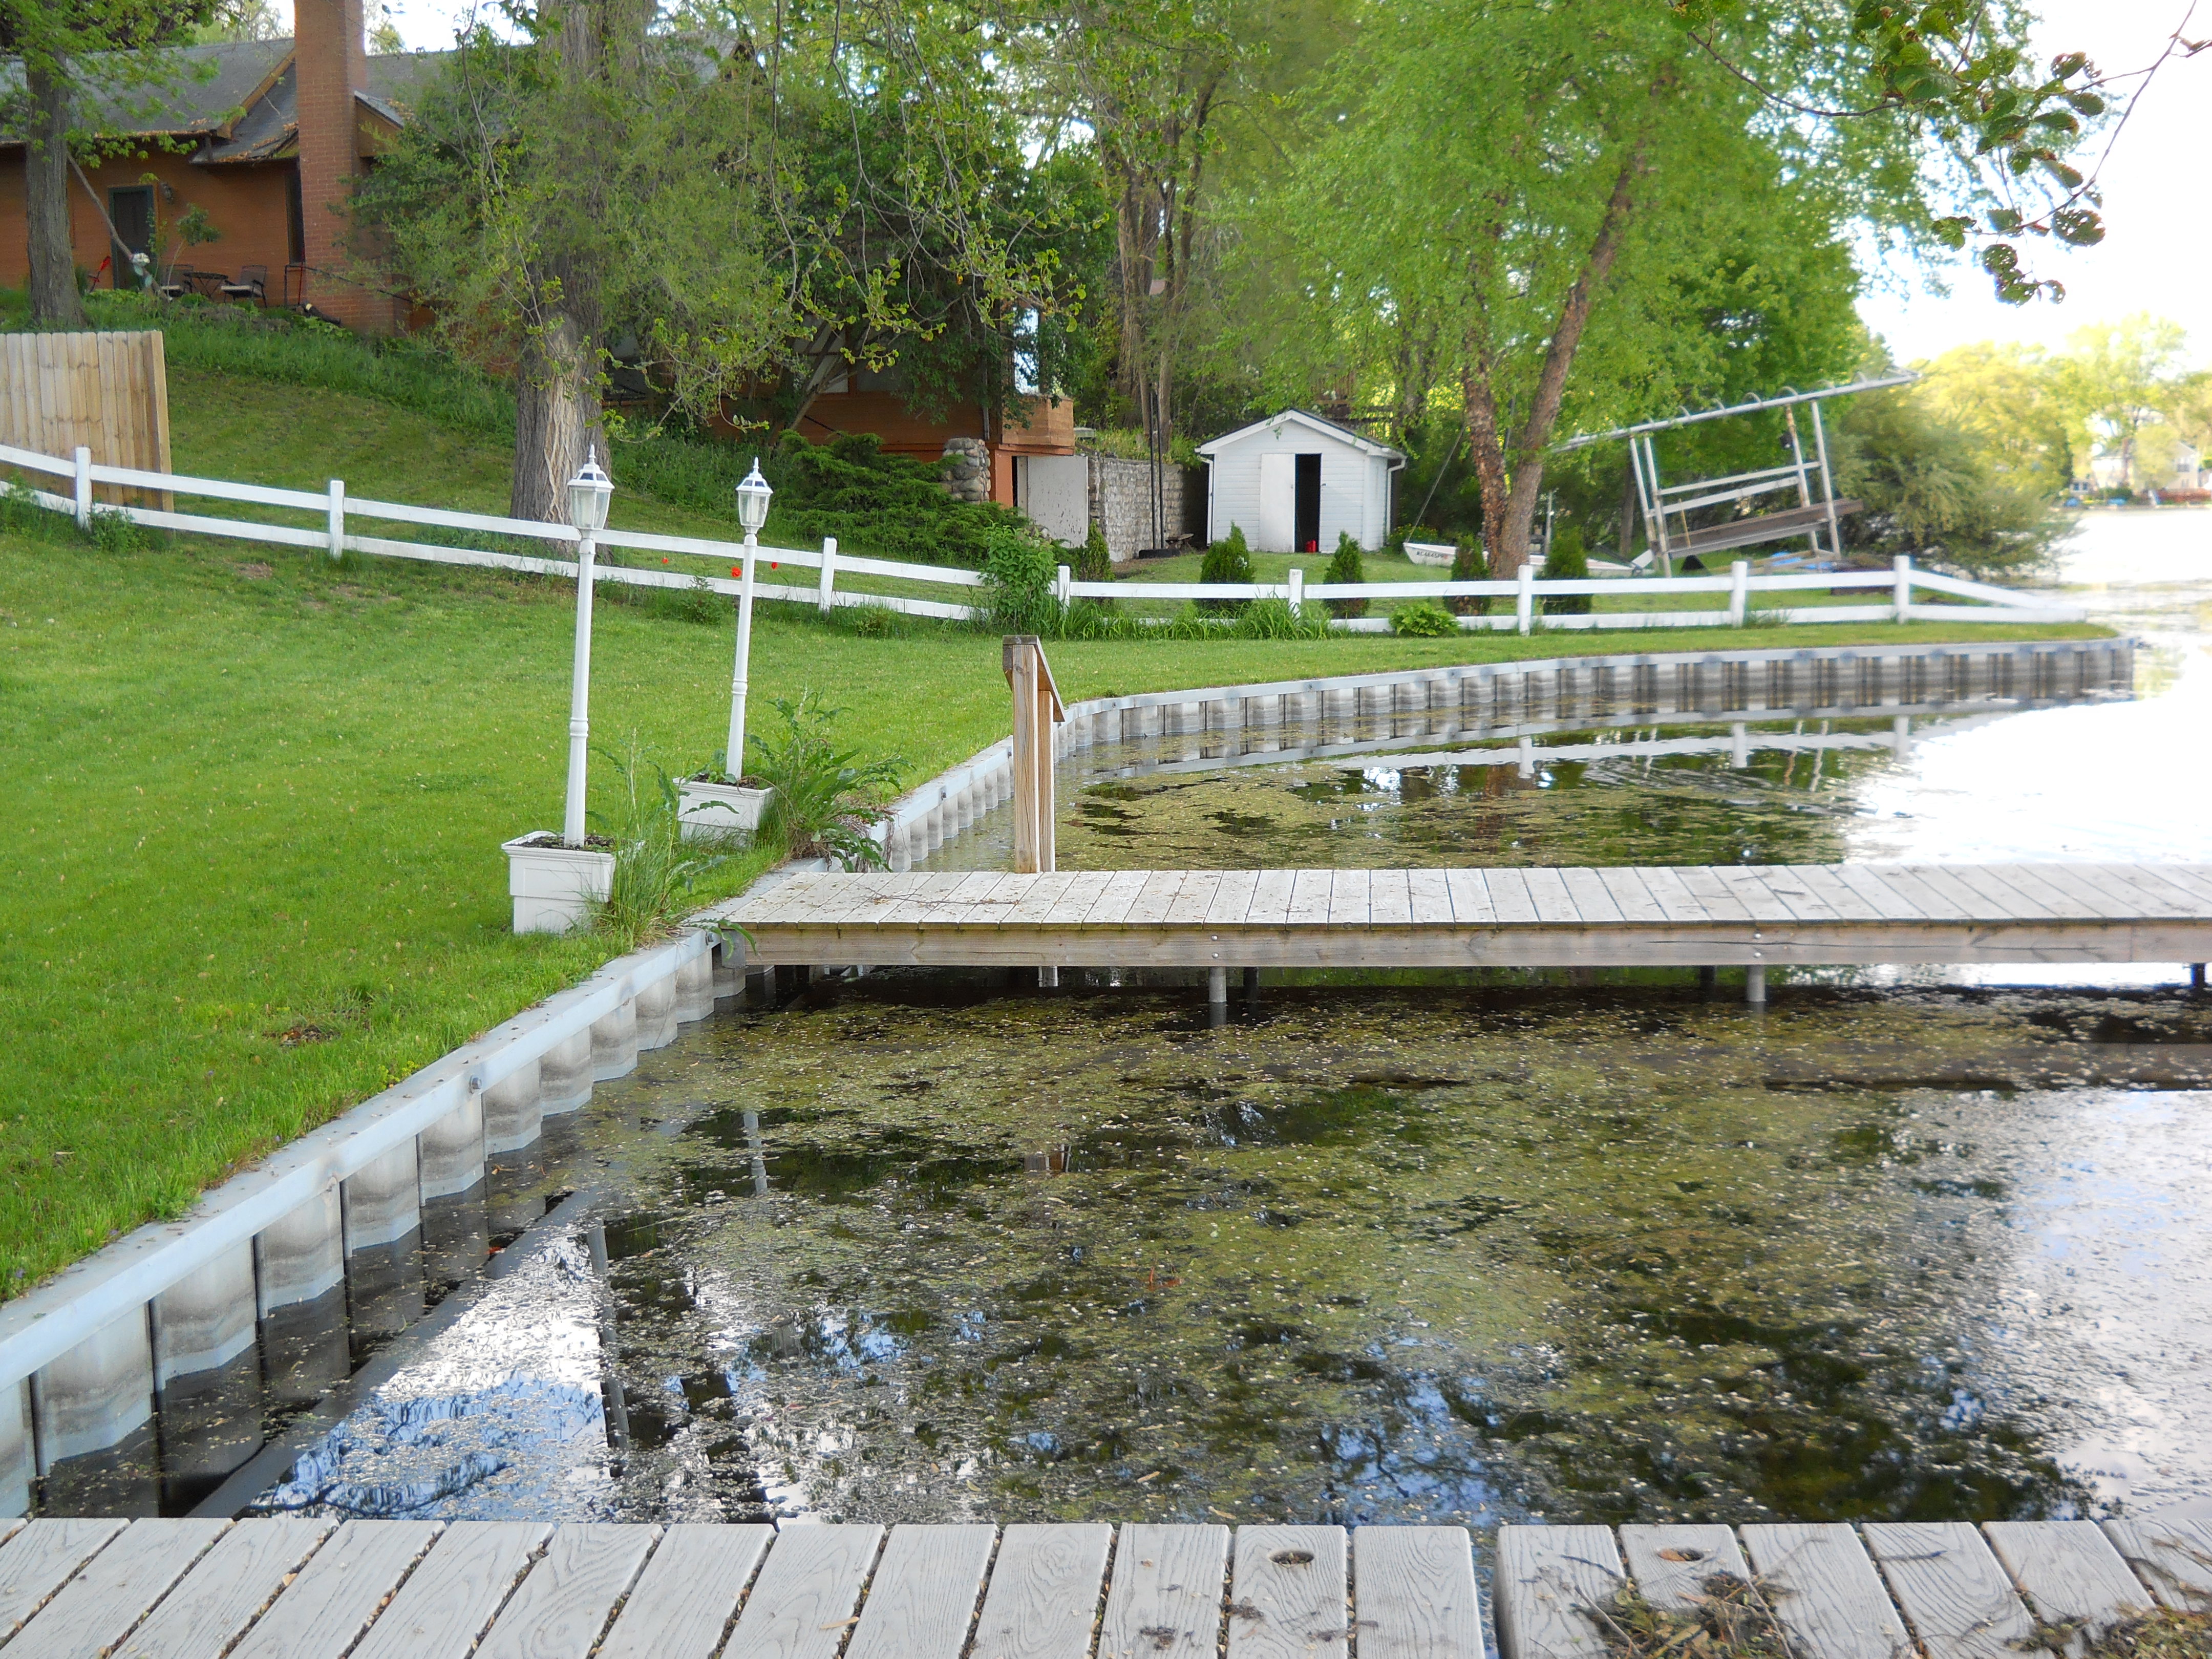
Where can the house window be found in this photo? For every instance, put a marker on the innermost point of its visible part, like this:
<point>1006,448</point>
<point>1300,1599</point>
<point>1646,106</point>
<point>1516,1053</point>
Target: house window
<point>131,210</point>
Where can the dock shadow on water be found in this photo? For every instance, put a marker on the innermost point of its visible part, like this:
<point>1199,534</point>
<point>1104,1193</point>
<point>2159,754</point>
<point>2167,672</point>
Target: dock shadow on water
<point>911,1248</point>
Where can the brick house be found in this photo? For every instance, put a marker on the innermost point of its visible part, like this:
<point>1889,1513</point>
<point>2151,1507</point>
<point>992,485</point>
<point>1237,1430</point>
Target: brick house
<point>265,136</point>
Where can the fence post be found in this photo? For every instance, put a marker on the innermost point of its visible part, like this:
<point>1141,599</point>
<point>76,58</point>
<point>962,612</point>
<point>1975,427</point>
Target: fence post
<point>337,518</point>
<point>1298,592</point>
<point>1902,597</point>
<point>1062,586</point>
<point>83,488</point>
<point>1524,602</point>
<point>829,584</point>
<point>1738,590</point>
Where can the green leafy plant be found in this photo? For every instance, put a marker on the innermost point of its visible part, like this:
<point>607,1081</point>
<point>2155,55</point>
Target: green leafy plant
<point>1273,619</point>
<point>1094,560</point>
<point>1227,560</point>
<point>822,798</point>
<point>1423,619</point>
<point>1568,562</point>
<point>1469,565</point>
<point>1019,571</point>
<point>113,531</point>
<point>1345,566</point>
<point>654,866</point>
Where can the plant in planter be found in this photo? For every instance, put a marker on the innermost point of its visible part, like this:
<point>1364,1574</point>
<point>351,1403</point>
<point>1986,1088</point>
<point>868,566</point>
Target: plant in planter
<point>823,799</point>
<point>712,805</point>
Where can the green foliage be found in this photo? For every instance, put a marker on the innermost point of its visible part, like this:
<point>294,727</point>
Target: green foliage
<point>1569,561</point>
<point>1344,565</point>
<point>1930,491</point>
<point>1423,619</point>
<point>113,530</point>
<point>822,797</point>
<point>1020,572</point>
<point>1226,561</point>
<point>1273,619</point>
<point>1468,565</point>
<point>893,505</point>
<point>655,870</point>
<point>1094,560</point>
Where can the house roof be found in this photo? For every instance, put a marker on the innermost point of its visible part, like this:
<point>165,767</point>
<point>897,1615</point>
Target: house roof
<point>240,98</point>
<point>1273,425</point>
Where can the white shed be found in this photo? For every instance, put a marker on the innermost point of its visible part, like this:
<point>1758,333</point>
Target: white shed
<point>1294,482</point>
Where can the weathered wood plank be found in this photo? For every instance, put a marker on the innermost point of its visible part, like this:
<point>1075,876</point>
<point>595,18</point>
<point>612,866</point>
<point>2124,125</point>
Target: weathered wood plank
<point>1845,902</point>
<point>1470,898</point>
<point>1116,897</point>
<point>1349,898</point>
<point>1957,1598</point>
<point>1165,1599</point>
<point>1592,894</point>
<point>1789,885</point>
<point>2070,1572</point>
<point>1414,1593</point>
<point>1546,1576</point>
<point>1826,1591</point>
<point>1081,898</point>
<point>1943,880</point>
<point>1309,890</point>
<point>2003,898</point>
<point>1287,1593</point>
<point>1232,899</point>
<point>1428,898</point>
<point>2173,1559</point>
<point>43,1557</point>
<point>1510,898</point>
<point>802,1603</point>
<point>1630,895</point>
<point>1747,884</point>
<point>1547,891</point>
<point>220,1596</point>
<point>1271,898</point>
<point>116,1588</point>
<point>1044,1593</point>
<point>1670,1563</point>
<point>1389,899</point>
<point>1934,903</point>
<point>2059,899</point>
<point>339,1591</point>
<point>1672,894</point>
<point>1880,895</point>
<point>1194,898</point>
<point>2155,896</point>
<point>1156,899</point>
<point>1704,884</point>
<point>569,1593</point>
<point>687,1593</point>
<point>1036,905</point>
<point>923,1599</point>
<point>445,1603</point>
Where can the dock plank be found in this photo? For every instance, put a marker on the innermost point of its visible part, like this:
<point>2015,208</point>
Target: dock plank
<point>1428,897</point>
<point>221,1596</point>
<point>1470,898</point>
<point>1081,897</point>
<point>1880,895</point>
<point>1672,894</point>
<point>116,1588</point>
<point>1704,884</point>
<point>1288,1592</point>
<point>1414,1595</point>
<point>1631,894</point>
<point>1271,898</point>
<point>1194,898</point>
<point>1956,1597</point>
<point>1747,884</point>
<point>1943,881</point>
<point>1592,894</point>
<point>802,1603</point>
<point>1155,899</point>
<point>1232,900</point>
<point>1547,891</point>
<point>1390,899</point>
<point>1044,1593</point>
<point>564,1601</point>
<point>689,1592</point>
<point>1309,892</point>
<point>1115,898</point>
<point>1670,1563</point>
<point>339,1592</point>
<point>1934,903</point>
<point>1164,1602</point>
<point>1826,1591</point>
<point>1034,906</point>
<point>923,1599</point>
<point>1546,1577</point>
<point>2173,1559</point>
<point>40,1558</point>
<point>1844,901</point>
<point>1510,897</point>
<point>1789,883</point>
<point>2004,898</point>
<point>447,1602</point>
<point>1349,898</point>
<point>2070,1573</point>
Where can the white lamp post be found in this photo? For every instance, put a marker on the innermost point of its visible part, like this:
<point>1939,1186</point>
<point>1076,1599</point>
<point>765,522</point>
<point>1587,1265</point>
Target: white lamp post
<point>588,494</point>
<point>752,512</point>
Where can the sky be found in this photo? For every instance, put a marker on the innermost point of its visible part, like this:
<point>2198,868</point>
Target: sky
<point>2157,181</point>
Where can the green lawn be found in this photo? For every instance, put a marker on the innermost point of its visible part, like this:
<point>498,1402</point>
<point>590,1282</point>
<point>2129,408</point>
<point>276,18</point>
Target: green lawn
<point>259,798</point>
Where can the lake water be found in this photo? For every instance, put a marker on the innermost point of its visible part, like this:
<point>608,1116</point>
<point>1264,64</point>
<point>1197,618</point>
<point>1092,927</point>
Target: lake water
<point>927,1247</point>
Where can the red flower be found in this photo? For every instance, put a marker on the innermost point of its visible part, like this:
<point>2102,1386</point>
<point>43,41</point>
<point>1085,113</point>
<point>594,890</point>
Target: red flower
<point>733,570</point>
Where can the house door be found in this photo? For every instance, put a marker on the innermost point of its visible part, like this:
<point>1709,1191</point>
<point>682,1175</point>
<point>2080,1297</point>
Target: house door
<point>131,208</point>
<point>1308,513</point>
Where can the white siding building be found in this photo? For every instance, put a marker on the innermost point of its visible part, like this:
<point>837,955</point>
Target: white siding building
<point>1294,482</point>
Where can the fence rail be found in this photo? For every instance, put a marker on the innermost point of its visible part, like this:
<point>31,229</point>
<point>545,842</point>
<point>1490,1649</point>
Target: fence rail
<point>1527,592</point>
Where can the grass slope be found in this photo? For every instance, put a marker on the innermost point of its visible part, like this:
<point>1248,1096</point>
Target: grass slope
<point>257,798</point>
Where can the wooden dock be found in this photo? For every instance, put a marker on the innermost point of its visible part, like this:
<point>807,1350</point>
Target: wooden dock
<point>418,1589</point>
<point>1725,914</point>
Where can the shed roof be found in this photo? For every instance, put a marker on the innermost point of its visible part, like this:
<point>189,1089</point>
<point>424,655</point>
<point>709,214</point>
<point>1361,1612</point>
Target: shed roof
<point>1318,424</point>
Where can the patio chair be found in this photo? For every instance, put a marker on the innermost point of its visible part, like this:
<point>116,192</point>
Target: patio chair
<point>179,283</point>
<point>252,283</point>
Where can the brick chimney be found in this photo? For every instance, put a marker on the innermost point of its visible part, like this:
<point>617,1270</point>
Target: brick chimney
<point>330,64</point>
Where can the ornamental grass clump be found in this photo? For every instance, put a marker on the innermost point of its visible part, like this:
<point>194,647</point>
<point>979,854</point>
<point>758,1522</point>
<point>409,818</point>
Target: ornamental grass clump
<point>654,866</point>
<point>822,800</point>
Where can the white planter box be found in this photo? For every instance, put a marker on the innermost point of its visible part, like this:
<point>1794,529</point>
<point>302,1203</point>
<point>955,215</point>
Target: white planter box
<point>1430,552</point>
<point>706,810</point>
<point>554,887</point>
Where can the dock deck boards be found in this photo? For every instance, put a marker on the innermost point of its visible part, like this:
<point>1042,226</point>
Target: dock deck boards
<point>1808,915</point>
<point>302,1589</point>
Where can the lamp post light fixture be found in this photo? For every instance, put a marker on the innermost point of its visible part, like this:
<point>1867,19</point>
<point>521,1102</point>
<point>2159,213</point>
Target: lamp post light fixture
<point>588,494</point>
<point>753,493</point>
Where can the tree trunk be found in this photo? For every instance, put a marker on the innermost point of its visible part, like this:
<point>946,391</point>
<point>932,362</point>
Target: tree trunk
<point>557,414</point>
<point>55,302</point>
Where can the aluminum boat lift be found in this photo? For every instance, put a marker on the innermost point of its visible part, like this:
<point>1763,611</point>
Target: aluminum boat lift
<point>1815,515</point>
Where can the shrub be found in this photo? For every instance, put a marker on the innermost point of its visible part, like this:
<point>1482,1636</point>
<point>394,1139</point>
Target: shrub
<point>1423,619</point>
<point>1345,566</point>
<point>1569,561</point>
<point>1019,571</point>
<point>1228,561</point>
<point>113,531</point>
<point>822,798</point>
<point>1094,561</point>
<point>1469,565</point>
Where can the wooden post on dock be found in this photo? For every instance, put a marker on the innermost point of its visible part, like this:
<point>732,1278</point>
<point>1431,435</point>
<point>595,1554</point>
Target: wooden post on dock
<point>1037,709</point>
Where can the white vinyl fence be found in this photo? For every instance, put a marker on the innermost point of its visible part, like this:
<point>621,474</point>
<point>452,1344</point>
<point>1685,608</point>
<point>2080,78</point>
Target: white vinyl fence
<point>336,507</point>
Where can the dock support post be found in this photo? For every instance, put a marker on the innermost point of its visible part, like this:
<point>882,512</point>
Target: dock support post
<point>1755,985</point>
<point>1217,987</point>
<point>1251,987</point>
<point>1037,711</point>
<point>1047,979</point>
<point>2197,978</point>
<point>1708,980</point>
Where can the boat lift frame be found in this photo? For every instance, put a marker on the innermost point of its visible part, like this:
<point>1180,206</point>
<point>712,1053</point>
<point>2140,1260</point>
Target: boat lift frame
<point>1809,518</point>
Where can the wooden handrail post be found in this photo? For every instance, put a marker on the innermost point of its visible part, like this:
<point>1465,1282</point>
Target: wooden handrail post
<point>1037,709</point>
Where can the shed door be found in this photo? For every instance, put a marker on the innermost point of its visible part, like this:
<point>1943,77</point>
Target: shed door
<point>131,208</point>
<point>1278,504</point>
<point>1308,525</point>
